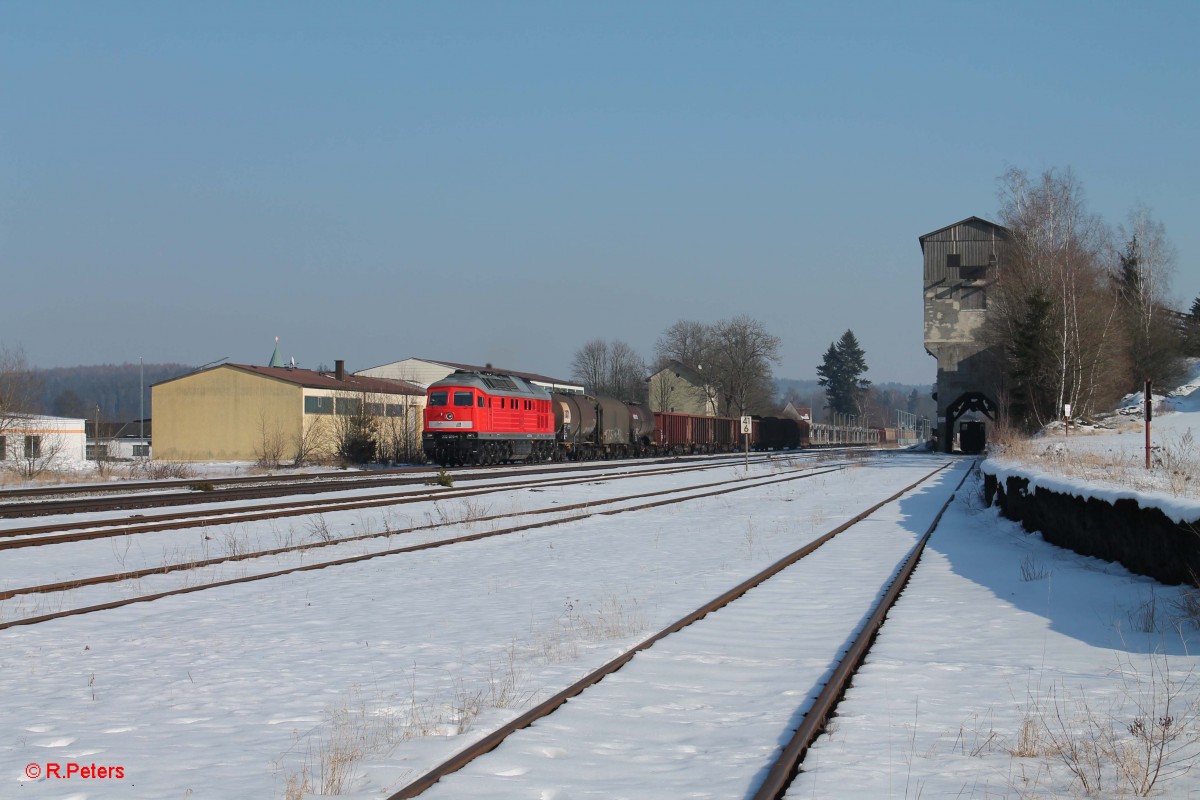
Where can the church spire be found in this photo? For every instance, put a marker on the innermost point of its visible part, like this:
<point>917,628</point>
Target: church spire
<point>276,359</point>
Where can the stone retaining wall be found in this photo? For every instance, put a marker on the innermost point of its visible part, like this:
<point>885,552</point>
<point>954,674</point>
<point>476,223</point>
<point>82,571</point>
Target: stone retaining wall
<point>1144,540</point>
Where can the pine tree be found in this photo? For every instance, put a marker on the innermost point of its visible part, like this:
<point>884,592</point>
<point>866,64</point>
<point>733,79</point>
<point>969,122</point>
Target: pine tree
<point>914,402</point>
<point>841,373</point>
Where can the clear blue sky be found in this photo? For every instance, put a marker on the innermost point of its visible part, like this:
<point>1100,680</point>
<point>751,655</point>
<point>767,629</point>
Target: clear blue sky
<point>502,182</point>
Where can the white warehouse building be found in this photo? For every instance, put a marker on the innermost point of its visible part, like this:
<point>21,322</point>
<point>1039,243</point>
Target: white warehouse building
<point>47,442</point>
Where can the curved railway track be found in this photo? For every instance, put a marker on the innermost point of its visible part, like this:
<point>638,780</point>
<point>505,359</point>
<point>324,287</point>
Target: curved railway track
<point>564,514</point>
<point>786,762</point>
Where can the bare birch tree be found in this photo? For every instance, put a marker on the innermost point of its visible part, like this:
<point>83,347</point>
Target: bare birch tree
<point>1143,277</point>
<point>1051,310</point>
<point>18,388</point>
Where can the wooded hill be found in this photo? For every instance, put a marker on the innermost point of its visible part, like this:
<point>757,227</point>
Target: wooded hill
<point>113,388</point>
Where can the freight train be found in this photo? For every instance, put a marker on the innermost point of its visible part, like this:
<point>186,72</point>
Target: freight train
<point>493,418</point>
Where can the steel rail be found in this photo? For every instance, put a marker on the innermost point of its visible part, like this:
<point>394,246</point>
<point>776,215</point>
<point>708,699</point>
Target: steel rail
<point>307,485</point>
<point>394,551</point>
<point>84,531</point>
<point>164,569</point>
<point>493,740</point>
<point>786,767</point>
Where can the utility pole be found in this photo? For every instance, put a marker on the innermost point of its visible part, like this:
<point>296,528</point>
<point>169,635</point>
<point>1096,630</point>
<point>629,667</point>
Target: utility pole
<point>1149,403</point>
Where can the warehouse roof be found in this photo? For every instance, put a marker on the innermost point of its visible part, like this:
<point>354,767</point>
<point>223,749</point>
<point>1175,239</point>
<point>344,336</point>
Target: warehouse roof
<point>320,380</point>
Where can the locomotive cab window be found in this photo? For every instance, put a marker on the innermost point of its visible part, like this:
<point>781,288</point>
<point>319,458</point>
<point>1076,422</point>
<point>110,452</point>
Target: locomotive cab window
<point>438,398</point>
<point>480,402</point>
<point>463,399</point>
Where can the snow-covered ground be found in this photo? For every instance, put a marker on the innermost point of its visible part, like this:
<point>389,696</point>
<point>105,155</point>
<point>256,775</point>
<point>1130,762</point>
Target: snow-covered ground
<point>1013,668</point>
<point>1002,650</point>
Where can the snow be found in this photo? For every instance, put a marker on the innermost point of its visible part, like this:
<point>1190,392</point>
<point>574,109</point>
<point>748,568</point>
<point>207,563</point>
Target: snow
<point>231,692</point>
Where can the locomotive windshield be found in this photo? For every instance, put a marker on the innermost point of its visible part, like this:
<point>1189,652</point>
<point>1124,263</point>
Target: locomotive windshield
<point>464,399</point>
<point>438,398</point>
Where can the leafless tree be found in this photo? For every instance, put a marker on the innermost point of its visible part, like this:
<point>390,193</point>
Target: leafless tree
<point>1051,310</point>
<point>613,369</point>
<point>590,364</point>
<point>18,397</point>
<point>311,442</point>
<point>18,388</point>
<point>741,355</point>
<point>399,431</point>
<point>355,432</point>
<point>272,442</point>
<point>40,452</point>
<point>687,342</point>
<point>1143,277</point>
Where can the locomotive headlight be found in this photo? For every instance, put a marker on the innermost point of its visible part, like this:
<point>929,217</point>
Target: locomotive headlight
<point>449,415</point>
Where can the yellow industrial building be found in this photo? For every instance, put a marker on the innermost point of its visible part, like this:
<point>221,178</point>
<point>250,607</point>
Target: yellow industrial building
<point>238,412</point>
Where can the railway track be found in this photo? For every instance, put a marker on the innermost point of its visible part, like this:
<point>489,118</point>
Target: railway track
<point>84,530</point>
<point>125,496</point>
<point>554,514</point>
<point>558,750</point>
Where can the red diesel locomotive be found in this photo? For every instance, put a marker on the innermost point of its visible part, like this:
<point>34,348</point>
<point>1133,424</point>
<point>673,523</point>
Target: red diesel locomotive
<point>482,418</point>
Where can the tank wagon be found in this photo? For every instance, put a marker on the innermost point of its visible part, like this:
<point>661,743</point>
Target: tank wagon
<point>589,427</point>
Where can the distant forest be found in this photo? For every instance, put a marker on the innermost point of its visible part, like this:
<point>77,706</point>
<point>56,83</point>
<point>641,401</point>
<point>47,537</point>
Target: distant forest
<point>113,388</point>
<point>78,391</point>
<point>883,400</point>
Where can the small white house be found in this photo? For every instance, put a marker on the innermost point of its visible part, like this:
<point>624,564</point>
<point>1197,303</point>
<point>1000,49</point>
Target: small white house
<point>129,442</point>
<point>30,440</point>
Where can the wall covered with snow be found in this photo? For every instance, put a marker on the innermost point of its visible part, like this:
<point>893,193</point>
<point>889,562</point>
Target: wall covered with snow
<point>1144,540</point>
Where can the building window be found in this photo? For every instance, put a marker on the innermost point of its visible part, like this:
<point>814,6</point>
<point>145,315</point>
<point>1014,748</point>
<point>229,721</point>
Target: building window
<point>3,449</point>
<point>33,447</point>
<point>349,406</point>
<point>318,405</point>
<point>977,272</point>
<point>375,409</point>
<point>141,451</point>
